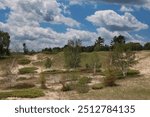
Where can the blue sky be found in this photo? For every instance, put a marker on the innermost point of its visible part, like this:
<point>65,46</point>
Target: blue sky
<point>51,23</point>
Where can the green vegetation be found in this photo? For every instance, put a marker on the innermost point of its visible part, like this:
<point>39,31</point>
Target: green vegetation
<point>4,44</point>
<point>133,73</point>
<point>68,87</point>
<point>23,93</point>
<point>85,80</point>
<point>24,61</point>
<point>111,76</point>
<point>82,85</point>
<point>87,60</point>
<point>27,70</point>
<point>121,56</point>
<point>98,86</point>
<point>48,63</point>
<point>22,86</point>
<point>72,53</point>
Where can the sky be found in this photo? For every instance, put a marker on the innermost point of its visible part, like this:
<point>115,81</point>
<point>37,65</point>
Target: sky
<point>51,23</point>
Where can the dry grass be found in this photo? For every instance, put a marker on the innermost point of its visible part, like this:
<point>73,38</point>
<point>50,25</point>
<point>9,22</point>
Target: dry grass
<point>128,89</point>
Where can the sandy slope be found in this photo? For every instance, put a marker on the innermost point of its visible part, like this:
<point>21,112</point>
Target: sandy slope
<point>143,64</point>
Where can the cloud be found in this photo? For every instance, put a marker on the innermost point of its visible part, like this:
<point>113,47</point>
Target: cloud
<point>126,9</point>
<point>87,37</point>
<point>23,23</point>
<point>33,12</point>
<point>113,21</point>
<point>136,3</point>
<point>38,38</point>
<point>109,35</point>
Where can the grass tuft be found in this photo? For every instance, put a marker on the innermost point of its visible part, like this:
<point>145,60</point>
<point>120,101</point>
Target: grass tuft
<point>27,70</point>
<point>23,93</point>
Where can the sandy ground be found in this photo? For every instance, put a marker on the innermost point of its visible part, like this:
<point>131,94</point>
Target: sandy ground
<point>143,64</point>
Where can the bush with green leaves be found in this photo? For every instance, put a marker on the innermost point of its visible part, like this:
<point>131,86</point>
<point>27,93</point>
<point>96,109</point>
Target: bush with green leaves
<point>72,53</point>
<point>110,76</point>
<point>82,85</point>
<point>68,87</point>
<point>27,70</point>
<point>48,63</point>
<point>85,79</point>
<point>132,72</point>
<point>98,86</point>
<point>24,61</point>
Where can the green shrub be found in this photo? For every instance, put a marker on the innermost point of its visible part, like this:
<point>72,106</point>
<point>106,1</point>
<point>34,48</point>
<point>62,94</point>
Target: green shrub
<point>133,72</point>
<point>24,61</point>
<point>27,70</point>
<point>48,63</point>
<point>82,86</point>
<point>130,73</point>
<point>67,87</point>
<point>23,93</point>
<point>98,86</point>
<point>22,86</point>
<point>110,76</point>
<point>85,80</point>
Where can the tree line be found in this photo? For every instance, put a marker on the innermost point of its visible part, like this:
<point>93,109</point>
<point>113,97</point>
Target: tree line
<point>97,46</point>
<point>100,46</point>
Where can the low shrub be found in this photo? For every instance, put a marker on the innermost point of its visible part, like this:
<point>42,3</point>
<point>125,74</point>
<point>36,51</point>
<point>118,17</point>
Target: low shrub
<point>23,93</point>
<point>133,72</point>
<point>110,76</point>
<point>22,86</point>
<point>85,80</point>
<point>98,86</point>
<point>27,70</point>
<point>24,61</point>
<point>68,87</point>
<point>82,86</point>
<point>130,73</point>
<point>48,63</point>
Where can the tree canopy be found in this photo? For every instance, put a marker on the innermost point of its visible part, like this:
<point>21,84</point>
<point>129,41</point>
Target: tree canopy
<point>4,43</point>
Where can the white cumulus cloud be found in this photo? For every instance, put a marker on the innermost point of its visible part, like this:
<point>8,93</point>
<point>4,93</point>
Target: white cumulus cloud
<point>113,21</point>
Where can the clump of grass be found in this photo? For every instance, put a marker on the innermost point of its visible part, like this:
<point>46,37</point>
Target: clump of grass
<point>22,86</point>
<point>82,85</point>
<point>27,70</point>
<point>85,80</point>
<point>24,61</point>
<point>133,72</point>
<point>98,86</point>
<point>23,93</point>
<point>68,87</point>
<point>130,73</point>
<point>110,76</point>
